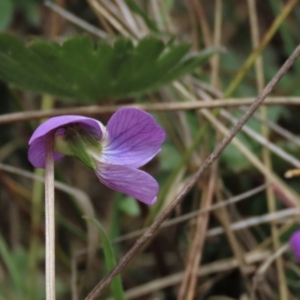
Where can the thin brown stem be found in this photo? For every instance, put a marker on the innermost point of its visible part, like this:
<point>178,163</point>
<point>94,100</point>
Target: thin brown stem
<point>174,106</point>
<point>49,220</point>
<point>75,20</point>
<point>201,15</point>
<point>186,289</point>
<point>266,155</point>
<point>201,228</point>
<point>218,267</point>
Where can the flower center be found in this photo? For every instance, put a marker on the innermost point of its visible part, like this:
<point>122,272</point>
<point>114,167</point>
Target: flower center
<point>75,140</point>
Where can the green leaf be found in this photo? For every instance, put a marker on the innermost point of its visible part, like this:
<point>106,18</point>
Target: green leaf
<point>110,261</point>
<point>85,72</point>
<point>11,264</point>
<point>190,63</point>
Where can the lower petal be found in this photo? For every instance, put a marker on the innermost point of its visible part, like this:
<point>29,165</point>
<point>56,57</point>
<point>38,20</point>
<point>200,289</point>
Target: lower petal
<point>132,182</point>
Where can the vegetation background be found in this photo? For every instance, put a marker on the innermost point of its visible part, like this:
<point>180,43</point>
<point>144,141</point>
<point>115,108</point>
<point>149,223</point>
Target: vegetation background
<point>206,250</point>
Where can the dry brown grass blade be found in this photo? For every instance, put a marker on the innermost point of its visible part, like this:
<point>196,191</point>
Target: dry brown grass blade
<point>283,290</point>
<point>194,214</point>
<point>103,11</point>
<point>284,214</point>
<point>75,20</point>
<point>206,164</point>
<point>264,141</point>
<point>215,267</point>
<point>82,200</point>
<point>201,17</point>
<point>188,284</point>
<point>158,107</point>
<point>260,273</point>
<point>289,194</point>
<point>286,10</point>
<point>224,218</point>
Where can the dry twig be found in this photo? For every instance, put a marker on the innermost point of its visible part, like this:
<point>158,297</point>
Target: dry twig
<point>207,163</point>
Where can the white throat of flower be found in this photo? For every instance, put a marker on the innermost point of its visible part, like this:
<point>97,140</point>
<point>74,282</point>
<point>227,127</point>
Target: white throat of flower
<point>96,155</point>
<point>75,140</point>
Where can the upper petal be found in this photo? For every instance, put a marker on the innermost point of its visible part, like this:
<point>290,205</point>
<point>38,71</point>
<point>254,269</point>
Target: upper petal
<point>37,142</point>
<point>56,122</point>
<point>132,182</point>
<point>133,138</point>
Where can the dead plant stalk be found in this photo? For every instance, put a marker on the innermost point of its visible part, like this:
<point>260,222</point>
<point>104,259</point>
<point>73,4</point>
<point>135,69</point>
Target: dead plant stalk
<point>153,229</point>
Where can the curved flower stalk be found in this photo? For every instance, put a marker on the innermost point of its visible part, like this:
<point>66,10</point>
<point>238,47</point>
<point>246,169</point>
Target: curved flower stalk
<point>295,244</point>
<point>131,138</point>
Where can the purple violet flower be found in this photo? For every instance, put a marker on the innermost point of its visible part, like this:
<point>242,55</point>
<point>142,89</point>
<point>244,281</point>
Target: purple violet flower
<point>131,138</point>
<point>295,244</point>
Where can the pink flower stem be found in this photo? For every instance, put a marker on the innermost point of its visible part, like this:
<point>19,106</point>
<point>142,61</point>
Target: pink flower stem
<point>49,219</point>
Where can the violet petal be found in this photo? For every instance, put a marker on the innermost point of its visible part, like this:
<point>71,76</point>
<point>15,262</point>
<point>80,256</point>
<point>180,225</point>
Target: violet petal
<point>37,142</point>
<point>132,182</point>
<point>295,244</point>
<point>134,137</point>
<point>37,154</point>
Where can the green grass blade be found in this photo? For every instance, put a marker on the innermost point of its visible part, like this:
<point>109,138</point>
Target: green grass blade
<point>110,261</point>
<point>13,269</point>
